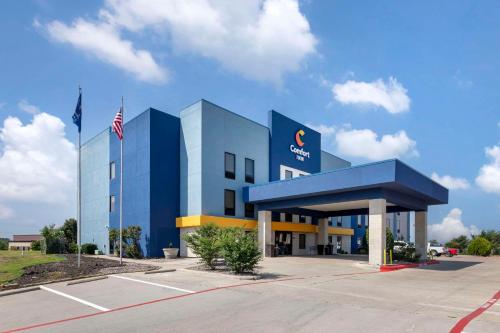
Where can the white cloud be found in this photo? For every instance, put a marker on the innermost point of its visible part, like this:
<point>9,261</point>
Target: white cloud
<point>489,174</point>
<point>37,173</point>
<point>365,143</point>
<point>37,162</point>
<point>326,131</point>
<point>260,39</point>
<point>104,41</point>
<point>390,95</point>
<point>450,227</point>
<point>450,182</point>
<point>25,106</point>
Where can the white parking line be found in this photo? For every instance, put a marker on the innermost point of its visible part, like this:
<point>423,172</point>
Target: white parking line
<point>152,283</point>
<point>95,306</point>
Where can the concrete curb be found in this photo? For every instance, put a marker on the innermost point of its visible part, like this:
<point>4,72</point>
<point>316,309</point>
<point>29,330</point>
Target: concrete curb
<point>18,291</point>
<point>397,267</point>
<point>96,278</point>
<point>216,274</point>
<point>166,270</point>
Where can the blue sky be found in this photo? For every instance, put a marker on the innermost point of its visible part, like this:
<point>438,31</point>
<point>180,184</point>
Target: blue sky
<point>426,75</point>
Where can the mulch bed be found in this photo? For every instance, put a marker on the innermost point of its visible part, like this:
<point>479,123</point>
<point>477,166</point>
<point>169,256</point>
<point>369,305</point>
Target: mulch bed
<point>68,269</point>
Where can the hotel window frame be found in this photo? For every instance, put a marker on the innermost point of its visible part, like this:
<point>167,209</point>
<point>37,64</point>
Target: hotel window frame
<point>339,221</point>
<point>112,170</point>
<point>112,203</point>
<point>288,217</point>
<point>228,173</point>
<point>288,173</point>
<point>248,210</point>
<point>229,211</point>
<point>302,219</point>
<point>249,178</point>
<point>302,241</point>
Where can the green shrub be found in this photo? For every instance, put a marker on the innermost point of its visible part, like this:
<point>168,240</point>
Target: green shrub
<point>89,248</point>
<point>4,244</point>
<point>36,246</point>
<point>240,250</point>
<point>73,248</point>
<point>132,235</point>
<point>407,254</point>
<point>389,240</point>
<point>479,246</point>
<point>205,243</point>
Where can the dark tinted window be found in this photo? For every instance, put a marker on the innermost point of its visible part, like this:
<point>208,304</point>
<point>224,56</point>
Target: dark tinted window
<point>249,171</point>
<point>230,165</point>
<point>302,219</point>
<point>288,217</point>
<point>339,221</point>
<point>229,202</point>
<point>249,210</point>
<point>302,241</point>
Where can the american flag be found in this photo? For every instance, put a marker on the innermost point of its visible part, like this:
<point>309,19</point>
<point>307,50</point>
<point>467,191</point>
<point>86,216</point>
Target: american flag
<point>118,124</point>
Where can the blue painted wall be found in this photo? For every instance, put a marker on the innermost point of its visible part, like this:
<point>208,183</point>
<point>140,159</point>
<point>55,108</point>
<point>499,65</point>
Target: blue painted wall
<point>224,131</point>
<point>95,191</point>
<point>282,134</point>
<point>136,173</point>
<point>164,181</point>
<point>190,159</point>
<point>332,162</point>
<point>151,179</point>
<point>358,231</point>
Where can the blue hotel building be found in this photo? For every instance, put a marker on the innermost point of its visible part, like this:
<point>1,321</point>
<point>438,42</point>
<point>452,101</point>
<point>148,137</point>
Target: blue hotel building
<point>210,165</point>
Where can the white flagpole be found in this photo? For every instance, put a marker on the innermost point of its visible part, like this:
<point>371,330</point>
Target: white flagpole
<point>79,191</point>
<point>121,185</point>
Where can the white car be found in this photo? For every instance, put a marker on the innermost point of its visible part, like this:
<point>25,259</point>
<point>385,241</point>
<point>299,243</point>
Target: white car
<point>399,246</point>
<point>436,249</point>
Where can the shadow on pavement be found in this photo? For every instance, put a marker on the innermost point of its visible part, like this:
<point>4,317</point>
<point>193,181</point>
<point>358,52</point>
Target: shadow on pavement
<point>451,265</point>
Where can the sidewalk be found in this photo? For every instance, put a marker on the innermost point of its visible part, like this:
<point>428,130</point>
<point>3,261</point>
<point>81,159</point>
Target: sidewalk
<point>161,262</point>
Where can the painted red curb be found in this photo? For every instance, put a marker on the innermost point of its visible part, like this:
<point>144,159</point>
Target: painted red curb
<point>390,268</point>
<point>460,325</point>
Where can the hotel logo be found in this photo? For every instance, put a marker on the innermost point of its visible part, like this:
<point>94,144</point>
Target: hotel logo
<point>299,152</point>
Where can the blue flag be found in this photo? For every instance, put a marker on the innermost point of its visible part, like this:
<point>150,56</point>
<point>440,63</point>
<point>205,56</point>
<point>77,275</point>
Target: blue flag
<point>77,116</point>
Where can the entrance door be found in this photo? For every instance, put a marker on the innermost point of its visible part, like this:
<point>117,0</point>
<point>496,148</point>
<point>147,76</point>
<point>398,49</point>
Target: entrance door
<point>283,239</point>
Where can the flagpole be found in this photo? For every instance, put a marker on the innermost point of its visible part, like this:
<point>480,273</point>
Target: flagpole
<point>121,186</point>
<point>79,192</point>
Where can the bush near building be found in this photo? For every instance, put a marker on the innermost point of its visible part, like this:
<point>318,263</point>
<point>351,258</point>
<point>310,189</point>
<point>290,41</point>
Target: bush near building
<point>461,243</point>
<point>89,248</point>
<point>479,246</point>
<point>236,246</point>
<point>240,250</point>
<point>60,240</point>
<point>205,243</point>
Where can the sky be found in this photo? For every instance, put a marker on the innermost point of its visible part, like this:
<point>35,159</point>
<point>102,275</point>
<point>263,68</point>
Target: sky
<point>387,79</point>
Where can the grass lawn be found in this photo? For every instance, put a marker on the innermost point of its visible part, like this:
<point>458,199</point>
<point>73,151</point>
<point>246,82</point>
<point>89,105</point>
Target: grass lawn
<point>12,263</point>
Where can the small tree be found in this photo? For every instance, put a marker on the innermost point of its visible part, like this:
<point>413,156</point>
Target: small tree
<point>240,250</point>
<point>205,243</point>
<point>133,236</point>
<point>479,246</point>
<point>461,243</point>
<point>114,234</point>
<point>36,246</point>
<point>389,240</point>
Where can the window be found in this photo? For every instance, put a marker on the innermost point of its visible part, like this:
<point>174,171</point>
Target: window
<point>230,165</point>
<point>330,223</point>
<point>358,241</point>
<point>288,217</point>
<point>111,203</point>
<point>302,219</point>
<point>301,175</point>
<point>359,221</point>
<point>339,221</point>
<point>339,242</point>
<point>330,239</point>
<point>112,170</point>
<point>302,241</point>
<point>249,171</point>
<point>229,202</point>
<point>288,174</point>
<point>249,210</point>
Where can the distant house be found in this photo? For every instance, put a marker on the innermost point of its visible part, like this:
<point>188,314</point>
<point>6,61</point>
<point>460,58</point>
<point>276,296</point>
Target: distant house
<point>23,242</point>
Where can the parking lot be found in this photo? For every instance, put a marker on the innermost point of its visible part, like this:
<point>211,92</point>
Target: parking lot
<point>296,294</point>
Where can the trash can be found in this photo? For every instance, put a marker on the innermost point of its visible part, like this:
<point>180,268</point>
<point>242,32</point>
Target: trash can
<point>321,249</point>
